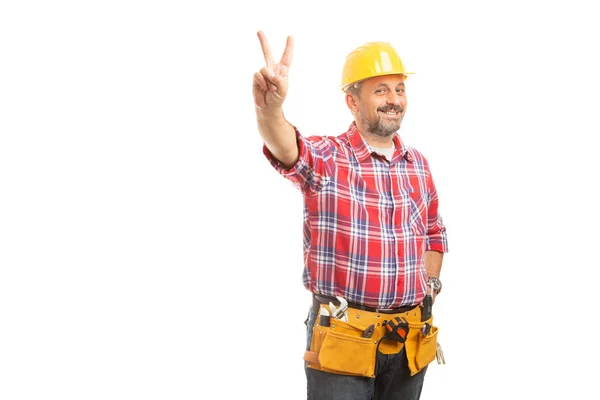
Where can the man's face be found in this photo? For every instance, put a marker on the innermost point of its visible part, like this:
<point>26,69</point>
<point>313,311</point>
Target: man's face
<point>382,104</point>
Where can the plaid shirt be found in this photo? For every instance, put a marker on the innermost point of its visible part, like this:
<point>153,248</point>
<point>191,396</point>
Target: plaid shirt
<point>367,221</point>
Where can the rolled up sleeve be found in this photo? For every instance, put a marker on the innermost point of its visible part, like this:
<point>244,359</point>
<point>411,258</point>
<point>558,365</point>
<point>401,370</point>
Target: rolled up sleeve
<point>314,164</point>
<point>436,231</point>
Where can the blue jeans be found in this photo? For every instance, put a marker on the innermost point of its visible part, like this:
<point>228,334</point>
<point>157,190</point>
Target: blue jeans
<point>392,381</point>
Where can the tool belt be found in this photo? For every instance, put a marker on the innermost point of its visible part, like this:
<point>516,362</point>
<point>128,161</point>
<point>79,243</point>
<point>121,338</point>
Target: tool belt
<point>319,299</point>
<point>349,346</point>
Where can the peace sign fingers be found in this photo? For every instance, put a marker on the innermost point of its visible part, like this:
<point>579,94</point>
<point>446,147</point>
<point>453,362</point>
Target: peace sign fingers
<point>271,83</point>
<point>286,59</point>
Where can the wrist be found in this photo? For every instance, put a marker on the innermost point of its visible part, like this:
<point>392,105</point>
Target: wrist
<point>270,114</point>
<point>435,284</point>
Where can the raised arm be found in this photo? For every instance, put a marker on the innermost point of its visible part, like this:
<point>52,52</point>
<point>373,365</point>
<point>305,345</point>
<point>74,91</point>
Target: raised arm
<point>270,88</point>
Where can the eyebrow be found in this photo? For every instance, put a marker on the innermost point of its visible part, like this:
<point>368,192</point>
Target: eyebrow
<point>401,84</point>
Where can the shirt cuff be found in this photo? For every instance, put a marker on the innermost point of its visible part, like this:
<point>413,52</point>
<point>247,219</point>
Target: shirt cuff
<point>437,242</point>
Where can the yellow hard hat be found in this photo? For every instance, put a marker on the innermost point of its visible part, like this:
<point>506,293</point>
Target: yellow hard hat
<point>369,60</point>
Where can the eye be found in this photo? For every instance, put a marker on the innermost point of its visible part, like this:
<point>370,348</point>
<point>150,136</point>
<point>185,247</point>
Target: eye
<point>400,90</point>
<point>380,91</point>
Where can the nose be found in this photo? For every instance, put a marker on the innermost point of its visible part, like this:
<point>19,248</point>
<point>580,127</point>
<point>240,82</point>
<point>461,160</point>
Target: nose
<point>392,98</point>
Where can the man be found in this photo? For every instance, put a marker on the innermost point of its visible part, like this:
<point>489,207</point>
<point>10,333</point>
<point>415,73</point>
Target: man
<point>373,237</point>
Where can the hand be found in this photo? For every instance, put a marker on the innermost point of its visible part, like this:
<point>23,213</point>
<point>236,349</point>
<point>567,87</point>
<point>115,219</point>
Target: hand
<point>271,83</point>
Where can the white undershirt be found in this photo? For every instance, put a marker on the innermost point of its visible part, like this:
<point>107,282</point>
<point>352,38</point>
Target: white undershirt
<point>388,153</point>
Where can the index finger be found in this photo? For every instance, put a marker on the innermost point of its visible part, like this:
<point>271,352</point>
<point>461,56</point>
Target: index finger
<point>286,58</point>
<point>264,43</point>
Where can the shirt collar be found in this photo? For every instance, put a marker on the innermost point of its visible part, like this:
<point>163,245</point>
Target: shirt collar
<point>362,149</point>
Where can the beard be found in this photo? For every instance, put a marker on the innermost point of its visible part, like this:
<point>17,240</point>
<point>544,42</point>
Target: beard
<point>378,126</point>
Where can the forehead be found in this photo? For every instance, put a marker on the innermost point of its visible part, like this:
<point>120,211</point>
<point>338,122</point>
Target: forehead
<point>387,80</point>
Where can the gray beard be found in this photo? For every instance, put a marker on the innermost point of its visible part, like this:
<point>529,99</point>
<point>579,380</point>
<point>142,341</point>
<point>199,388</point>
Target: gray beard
<point>380,128</point>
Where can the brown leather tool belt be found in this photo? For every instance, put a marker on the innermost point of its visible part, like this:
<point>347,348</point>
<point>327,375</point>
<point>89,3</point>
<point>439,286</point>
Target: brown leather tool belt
<point>319,299</point>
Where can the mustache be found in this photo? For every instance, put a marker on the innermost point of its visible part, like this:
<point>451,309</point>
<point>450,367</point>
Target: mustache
<point>389,108</point>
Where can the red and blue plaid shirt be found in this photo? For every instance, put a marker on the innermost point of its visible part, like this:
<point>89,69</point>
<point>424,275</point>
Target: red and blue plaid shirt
<point>367,221</point>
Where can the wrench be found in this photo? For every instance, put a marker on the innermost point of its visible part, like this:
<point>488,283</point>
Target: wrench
<point>339,312</point>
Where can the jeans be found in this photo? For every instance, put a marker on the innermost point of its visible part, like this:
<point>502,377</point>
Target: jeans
<point>392,381</point>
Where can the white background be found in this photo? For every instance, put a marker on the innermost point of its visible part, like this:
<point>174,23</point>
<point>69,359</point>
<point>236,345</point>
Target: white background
<point>148,250</point>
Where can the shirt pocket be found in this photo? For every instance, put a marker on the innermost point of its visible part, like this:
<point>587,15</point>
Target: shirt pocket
<point>417,210</point>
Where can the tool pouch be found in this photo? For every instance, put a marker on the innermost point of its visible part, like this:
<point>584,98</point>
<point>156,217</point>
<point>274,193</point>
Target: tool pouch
<point>348,354</point>
<point>341,349</point>
<point>421,347</point>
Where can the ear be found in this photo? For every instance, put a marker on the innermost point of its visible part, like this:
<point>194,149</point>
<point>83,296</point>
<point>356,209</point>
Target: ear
<point>351,102</point>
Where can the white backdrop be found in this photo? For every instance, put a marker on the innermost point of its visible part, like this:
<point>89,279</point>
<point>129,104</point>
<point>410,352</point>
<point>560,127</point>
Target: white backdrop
<point>148,250</point>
